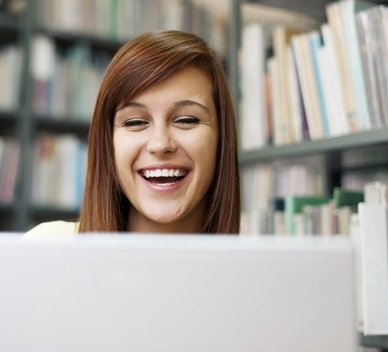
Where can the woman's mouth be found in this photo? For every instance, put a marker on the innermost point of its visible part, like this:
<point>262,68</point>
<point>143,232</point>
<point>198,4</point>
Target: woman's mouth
<point>164,176</point>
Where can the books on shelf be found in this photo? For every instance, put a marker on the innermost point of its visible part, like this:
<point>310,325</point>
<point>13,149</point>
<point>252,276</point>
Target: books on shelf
<point>65,83</point>
<point>265,186</point>
<point>299,213</point>
<point>340,71</point>
<point>124,19</point>
<point>371,29</point>
<point>58,174</point>
<point>341,19</point>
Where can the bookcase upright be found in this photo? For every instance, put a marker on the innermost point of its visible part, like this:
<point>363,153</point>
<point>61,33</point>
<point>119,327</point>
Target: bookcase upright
<point>365,150</point>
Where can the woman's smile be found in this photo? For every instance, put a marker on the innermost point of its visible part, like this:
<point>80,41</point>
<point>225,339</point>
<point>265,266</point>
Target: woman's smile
<point>164,179</point>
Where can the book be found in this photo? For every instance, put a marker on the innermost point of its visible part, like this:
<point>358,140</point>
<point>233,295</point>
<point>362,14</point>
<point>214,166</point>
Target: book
<point>252,112</point>
<point>9,166</point>
<point>344,197</point>
<point>348,10</point>
<point>276,119</point>
<point>306,76</point>
<point>10,73</point>
<point>290,121</point>
<point>297,113</point>
<point>370,35</point>
<point>373,222</point>
<point>336,113</point>
<point>315,41</point>
<point>333,15</point>
<point>294,206</point>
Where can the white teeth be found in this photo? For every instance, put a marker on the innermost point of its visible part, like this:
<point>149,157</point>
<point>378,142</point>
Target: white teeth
<point>163,173</point>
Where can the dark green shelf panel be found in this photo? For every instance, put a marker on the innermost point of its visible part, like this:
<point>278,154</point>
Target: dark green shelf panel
<point>49,123</point>
<point>377,341</point>
<point>8,114</point>
<point>7,208</point>
<point>111,44</point>
<point>9,22</point>
<point>53,213</point>
<point>363,139</point>
<point>8,122</point>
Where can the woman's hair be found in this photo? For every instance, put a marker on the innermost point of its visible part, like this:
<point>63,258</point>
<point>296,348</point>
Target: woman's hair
<point>140,63</point>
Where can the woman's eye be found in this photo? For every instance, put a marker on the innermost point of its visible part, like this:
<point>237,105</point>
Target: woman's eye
<point>187,121</point>
<point>134,123</point>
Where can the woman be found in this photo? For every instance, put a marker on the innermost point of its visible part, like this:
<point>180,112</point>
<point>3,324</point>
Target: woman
<point>162,144</point>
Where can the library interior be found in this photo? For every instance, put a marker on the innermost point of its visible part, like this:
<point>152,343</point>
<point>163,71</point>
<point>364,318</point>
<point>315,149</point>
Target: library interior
<point>309,83</point>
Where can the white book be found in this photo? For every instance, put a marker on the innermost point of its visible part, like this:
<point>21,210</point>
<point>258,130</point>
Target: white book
<point>348,10</point>
<point>252,117</point>
<point>276,111</point>
<point>355,237</point>
<point>337,117</point>
<point>338,37</point>
<point>65,172</point>
<point>374,267</point>
<point>295,98</point>
<point>301,50</point>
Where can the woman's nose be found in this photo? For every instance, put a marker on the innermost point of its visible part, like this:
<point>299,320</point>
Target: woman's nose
<point>161,141</point>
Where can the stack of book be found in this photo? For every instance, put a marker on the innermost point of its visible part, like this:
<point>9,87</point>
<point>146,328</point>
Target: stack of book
<point>313,83</point>
<point>124,19</point>
<point>59,167</point>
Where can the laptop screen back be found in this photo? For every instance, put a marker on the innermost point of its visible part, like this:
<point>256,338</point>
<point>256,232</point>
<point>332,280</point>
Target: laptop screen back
<point>177,293</point>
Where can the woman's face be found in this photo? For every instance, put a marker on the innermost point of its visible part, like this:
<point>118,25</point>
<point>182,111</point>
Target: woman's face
<point>165,143</point>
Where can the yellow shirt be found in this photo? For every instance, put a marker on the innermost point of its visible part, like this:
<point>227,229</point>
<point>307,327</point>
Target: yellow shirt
<point>53,229</point>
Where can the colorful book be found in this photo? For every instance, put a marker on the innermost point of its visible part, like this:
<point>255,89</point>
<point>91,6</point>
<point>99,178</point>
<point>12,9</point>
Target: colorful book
<point>344,198</point>
<point>315,41</point>
<point>294,205</point>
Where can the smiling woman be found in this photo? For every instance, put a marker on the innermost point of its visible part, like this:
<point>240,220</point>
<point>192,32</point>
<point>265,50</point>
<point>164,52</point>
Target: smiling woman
<point>162,145</point>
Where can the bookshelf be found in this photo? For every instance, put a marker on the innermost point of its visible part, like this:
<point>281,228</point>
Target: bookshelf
<point>363,150</point>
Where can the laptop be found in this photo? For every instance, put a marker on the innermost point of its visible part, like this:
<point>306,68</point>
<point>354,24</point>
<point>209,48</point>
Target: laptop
<point>177,293</point>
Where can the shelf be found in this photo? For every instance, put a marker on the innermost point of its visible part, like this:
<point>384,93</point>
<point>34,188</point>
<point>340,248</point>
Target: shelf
<point>7,208</point>
<point>314,9</point>
<point>324,146</point>
<point>308,7</point>
<point>53,213</point>
<point>378,341</point>
<point>48,123</point>
<point>111,44</point>
<point>8,120</point>
<point>9,22</point>
<point>8,114</point>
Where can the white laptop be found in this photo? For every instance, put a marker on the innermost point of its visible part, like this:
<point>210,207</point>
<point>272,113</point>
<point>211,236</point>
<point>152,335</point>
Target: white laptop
<point>177,293</point>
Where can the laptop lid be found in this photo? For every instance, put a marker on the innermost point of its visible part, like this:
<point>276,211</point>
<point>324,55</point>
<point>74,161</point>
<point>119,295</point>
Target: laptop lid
<point>177,293</point>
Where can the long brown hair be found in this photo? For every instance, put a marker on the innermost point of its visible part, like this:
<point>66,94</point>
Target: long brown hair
<point>140,63</point>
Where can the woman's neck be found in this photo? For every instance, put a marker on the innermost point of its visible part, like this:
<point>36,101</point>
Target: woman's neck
<point>190,224</point>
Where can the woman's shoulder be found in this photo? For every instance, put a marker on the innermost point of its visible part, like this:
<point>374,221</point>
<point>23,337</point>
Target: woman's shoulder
<point>53,229</point>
